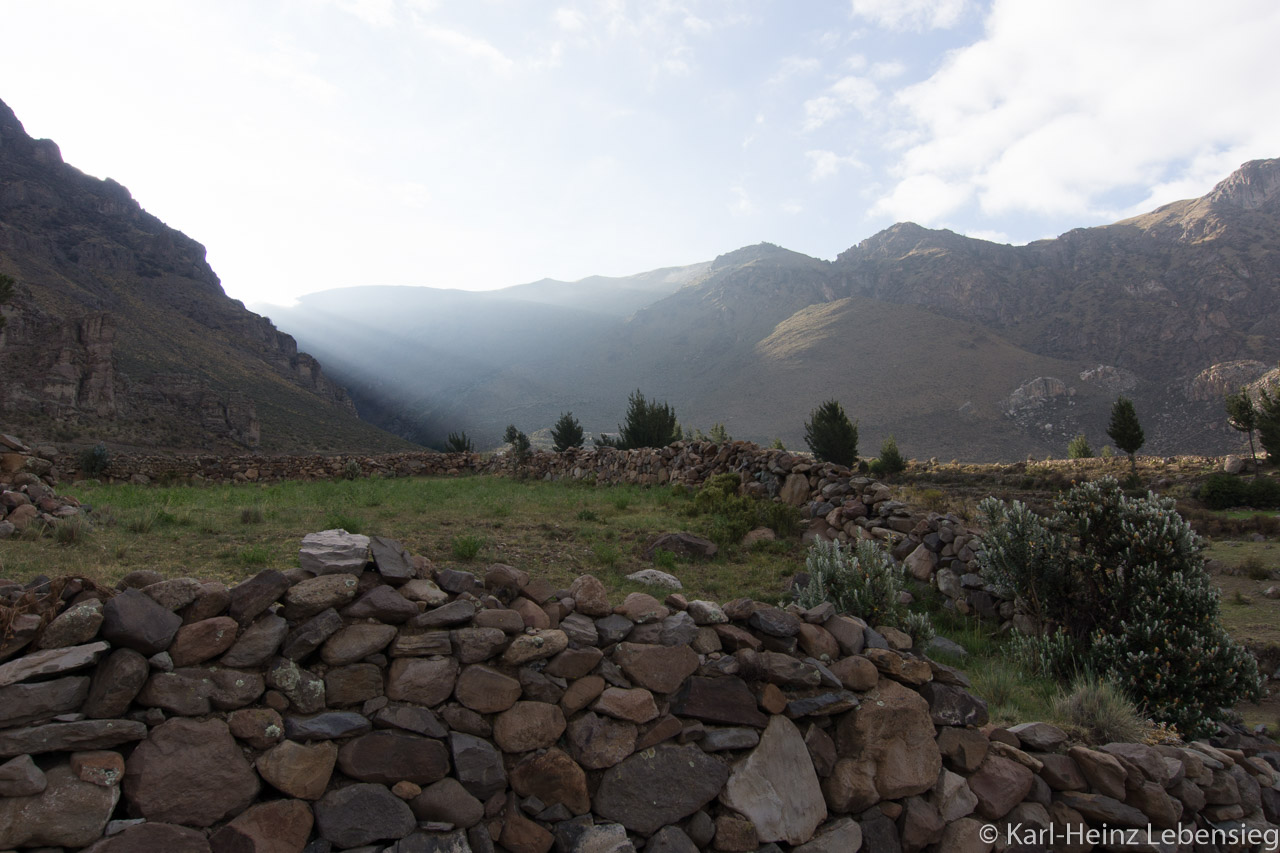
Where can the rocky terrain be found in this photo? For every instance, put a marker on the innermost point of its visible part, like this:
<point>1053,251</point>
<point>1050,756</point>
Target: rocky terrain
<point>366,701</point>
<point>960,347</point>
<point>119,330</point>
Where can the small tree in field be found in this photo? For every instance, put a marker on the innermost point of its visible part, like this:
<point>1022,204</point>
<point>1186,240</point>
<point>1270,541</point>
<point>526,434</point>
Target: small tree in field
<point>831,435</point>
<point>566,433</point>
<point>1125,430</point>
<point>648,424</point>
<point>1242,415</point>
<point>1078,448</point>
<point>891,459</point>
<point>519,442</point>
<point>1269,424</point>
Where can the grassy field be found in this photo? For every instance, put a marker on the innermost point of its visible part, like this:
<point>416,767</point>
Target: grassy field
<point>557,531</point>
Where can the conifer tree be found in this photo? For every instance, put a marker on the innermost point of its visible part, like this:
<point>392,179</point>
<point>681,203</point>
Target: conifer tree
<point>1242,415</point>
<point>566,433</point>
<point>1125,430</point>
<point>831,435</point>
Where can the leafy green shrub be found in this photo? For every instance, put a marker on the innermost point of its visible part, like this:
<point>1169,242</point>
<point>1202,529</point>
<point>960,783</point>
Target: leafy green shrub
<point>783,519</point>
<point>1078,448</point>
<point>664,559</point>
<point>777,444</point>
<point>719,434</point>
<point>861,581</point>
<point>1223,491</point>
<point>831,435</point>
<point>457,442</point>
<point>890,459</point>
<point>94,461</point>
<point>1253,568</point>
<point>1100,711</point>
<point>352,470</point>
<point>1053,655</point>
<point>1107,452</point>
<point>1123,577</point>
<point>339,521</point>
<point>566,433</point>
<point>467,546</point>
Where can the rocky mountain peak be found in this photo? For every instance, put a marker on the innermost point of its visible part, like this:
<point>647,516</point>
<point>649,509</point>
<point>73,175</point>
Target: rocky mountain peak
<point>1249,187</point>
<point>758,252</point>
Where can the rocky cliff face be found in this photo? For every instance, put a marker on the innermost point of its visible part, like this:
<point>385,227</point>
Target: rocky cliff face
<point>119,329</point>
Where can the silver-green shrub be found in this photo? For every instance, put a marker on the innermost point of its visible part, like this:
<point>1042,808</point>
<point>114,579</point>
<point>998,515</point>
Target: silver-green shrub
<point>863,582</point>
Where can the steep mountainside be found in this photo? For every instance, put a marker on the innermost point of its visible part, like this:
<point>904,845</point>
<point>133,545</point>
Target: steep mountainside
<point>118,329</point>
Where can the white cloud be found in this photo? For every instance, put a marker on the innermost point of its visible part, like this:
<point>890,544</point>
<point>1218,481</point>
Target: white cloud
<point>569,20</point>
<point>851,91</point>
<point>827,164</point>
<point>888,70</point>
<point>467,46</point>
<point>793,66</point>
<point>911,14</point>
<point>1065,102</point>
<point>792,208</point>
<point>742,205</point>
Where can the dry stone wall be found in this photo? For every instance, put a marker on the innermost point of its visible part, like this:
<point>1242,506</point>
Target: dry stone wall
<point>366,701</point>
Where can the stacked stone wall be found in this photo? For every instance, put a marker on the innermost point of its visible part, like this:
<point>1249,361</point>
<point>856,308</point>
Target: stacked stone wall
<point>364,700</point>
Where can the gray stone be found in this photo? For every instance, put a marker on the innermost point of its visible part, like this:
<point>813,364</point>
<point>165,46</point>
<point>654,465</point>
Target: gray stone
<point>687,776</point>
<point>384,604</point>
<point>250,598</point>
<point>28,703</point>
<point>50,662</point>
<point>258,643</point>
<point>303,688</point>
<point>671,839</point>
<point>67,813</point>
<point>411,718</point>
<point>477,765</point>
<point>133,620</point>
<point>734,737</point>
<point>328,725</point>
<point>78,624</point>
<point>19,777</point>
<point>654,577</point>
<point>776,787</point>
<point>841,835</point>
<point>318,594</point>
<point>392,560</point>
<point>331,552</point>
<point>361,814</point>
<point>65,737</point>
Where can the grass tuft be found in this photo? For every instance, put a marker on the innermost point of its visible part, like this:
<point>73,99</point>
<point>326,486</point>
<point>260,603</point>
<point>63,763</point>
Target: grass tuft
<point>467,546</point>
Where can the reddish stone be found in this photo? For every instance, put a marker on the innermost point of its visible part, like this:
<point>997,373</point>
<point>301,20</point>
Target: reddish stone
<point>661,669</point>
<point>280,826</point>
<point>553,777</point>
<point>200,641</point>
<point>528,725</point>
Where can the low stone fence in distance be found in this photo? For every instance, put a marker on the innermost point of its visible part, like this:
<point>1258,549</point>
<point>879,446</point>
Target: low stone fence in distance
<point>365,700</point>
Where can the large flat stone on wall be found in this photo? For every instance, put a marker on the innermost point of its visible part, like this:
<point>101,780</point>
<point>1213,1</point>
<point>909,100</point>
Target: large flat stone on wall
<point>893,729</point>
<point>776,787</point>
<point>657,787</point>
<point>64,737</point>
<point>334,552</point>
<point>191,773</point>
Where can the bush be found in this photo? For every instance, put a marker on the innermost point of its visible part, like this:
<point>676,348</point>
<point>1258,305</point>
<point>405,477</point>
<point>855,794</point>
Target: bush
<point>863,582</point>
<point>352,470</point>
<point>1123,579</point>
<point>734,515</point>
<point>566,433</point>
<point>1078,448</point>
<point>831,435</point>
<point>890,459</point>
<point>1100,711</point>
<point>1223,491</point>
<point>519,442</point>
<point>72,531</point>
<point>457,442</point>
<point>94,461</point>
<point>648,424</point>
<point>467,547</point>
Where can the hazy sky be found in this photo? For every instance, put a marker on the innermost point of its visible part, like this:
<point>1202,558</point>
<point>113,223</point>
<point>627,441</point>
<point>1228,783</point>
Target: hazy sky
<point>312,144</point>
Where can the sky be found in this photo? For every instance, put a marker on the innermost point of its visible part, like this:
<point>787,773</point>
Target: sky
<point>475,144</point>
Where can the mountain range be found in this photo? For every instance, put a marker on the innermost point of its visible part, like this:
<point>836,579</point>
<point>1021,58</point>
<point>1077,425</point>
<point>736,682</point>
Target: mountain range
<point>958,347</point>
<point>118,330</point>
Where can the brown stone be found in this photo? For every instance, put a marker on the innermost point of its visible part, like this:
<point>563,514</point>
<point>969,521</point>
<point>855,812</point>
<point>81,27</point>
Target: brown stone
<point>351,685</point>
<point>42,700</point>
<point>528,725</point>
<point>963,749</point>
<point>661,669</point>
<point>474,644</point>
<point>134,621</point>
<point>817,642</point>
<point>356,642</point>
<point>581,693</point>
<point>74,626</point>
<point>574,663</point>
<point>1061,772</point>
<point>554,778</point>
<point>521,835</point>
<point>251,597</point>
<point>856,673</point>
<point>635,705</point>
<point>735,835</point>
<point>687,777</point>
<point>153,837</point>
<point>389,756</point>
<point>421,681</point>
<point>297,770</point>
<point>261,728</point>
<point>537,646</point>
<point>67,813</point>
<point>598,742</point>
<point>447,801</point>
<point>20,777</point>
<point>999,784</point>
<point>310,597</point>
<point>1105,772</point>
<point>50,662</point>
<point>200,641</point>
<point>99,767</point>
<point>362,813</point>
<point>280,826</point>
<point>189,772</point>
<point>719,700</point>
<point>892,729</point>
<point>640,608</point>
<point>772,699</point>
<point>662,729</point>
<point>485,690</point>
<point>733,638</point>
<point>851,787</point>
<point>65,737</point>
<point>590,597</point>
